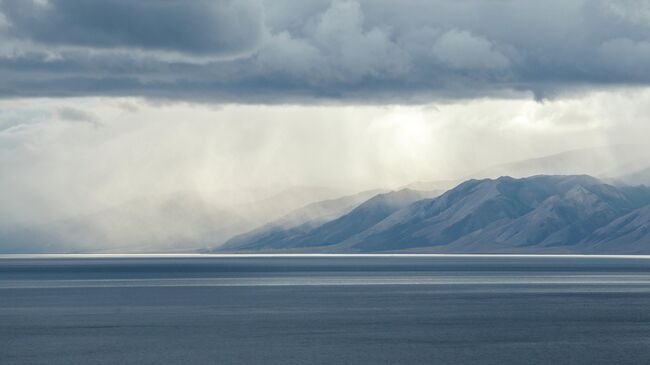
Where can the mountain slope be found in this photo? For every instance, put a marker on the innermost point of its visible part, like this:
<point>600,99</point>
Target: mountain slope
<point>301,220</point>
<point>466,209</point>
<point>535,214</point>
<point>304,236</point>
<point>624,233</point>
<point>562,219</point>
<point>262,211</point>
<point>542,213</point>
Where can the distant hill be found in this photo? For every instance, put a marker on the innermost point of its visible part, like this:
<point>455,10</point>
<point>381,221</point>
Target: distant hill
<point>601,162</point>
<point>574,213</point>
<point>627,165</point>
<point>629,233</point>
<point>268,209</point>
<point>640,177</point>
<point>301,220</point>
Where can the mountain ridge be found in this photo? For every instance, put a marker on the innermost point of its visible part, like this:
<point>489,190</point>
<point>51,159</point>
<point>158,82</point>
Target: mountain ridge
<point>545,213</point>
<point>371,211</point>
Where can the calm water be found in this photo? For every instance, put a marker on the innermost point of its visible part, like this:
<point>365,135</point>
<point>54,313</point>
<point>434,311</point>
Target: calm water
<point>325,310</point>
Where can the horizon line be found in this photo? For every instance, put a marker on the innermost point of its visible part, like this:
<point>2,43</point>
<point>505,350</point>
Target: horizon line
<point>270,255</point>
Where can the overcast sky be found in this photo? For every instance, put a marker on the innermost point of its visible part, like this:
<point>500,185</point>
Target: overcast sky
<point>102,102</point>
<point>296,50</point>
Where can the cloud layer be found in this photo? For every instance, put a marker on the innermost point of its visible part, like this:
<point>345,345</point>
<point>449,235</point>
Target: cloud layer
<point>218,28</point>
<point>302,51</point>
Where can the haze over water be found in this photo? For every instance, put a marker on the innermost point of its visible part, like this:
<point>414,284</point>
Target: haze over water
<point>324,309</point>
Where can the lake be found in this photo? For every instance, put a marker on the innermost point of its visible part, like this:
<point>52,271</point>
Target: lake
<point>401,309</point>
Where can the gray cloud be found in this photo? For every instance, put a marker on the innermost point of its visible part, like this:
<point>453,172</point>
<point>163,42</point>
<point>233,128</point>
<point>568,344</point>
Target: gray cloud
<point>197,27</point>
<point>462,50</point>
<point>76,115</point>
<point>335,49</point>
<point>302,51</point>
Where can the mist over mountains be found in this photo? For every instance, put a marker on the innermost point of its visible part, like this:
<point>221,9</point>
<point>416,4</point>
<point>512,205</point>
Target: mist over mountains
<point>482,212</point>
<point>308,234</point>
<point>539,214</point>
<point>181,222</point>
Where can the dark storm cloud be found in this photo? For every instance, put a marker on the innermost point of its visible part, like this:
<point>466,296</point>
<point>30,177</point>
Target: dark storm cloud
<point>300,51</point>
<point>193,27</point>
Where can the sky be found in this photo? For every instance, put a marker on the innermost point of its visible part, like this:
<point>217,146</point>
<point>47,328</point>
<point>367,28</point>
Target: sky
<point>296,51</point>
<point>106,102</point>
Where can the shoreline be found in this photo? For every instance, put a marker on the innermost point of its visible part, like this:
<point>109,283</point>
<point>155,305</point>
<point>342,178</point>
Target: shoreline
<point>306,255</point>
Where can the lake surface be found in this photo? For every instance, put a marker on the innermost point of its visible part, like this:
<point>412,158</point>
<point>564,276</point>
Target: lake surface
<point>324,310</point>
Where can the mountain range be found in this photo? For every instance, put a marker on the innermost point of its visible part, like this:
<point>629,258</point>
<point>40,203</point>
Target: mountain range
<point>482,215</point>
<point>538,214</point>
